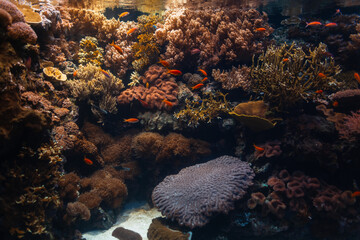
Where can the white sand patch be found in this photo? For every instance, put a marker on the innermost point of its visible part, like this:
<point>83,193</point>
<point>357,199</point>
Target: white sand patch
<point>136,216</point>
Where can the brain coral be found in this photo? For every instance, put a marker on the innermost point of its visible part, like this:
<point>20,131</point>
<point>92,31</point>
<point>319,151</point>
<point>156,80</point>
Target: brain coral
<point>197,192</point>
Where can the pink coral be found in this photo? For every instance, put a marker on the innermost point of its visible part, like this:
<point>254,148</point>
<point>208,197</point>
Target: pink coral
<point>235,29</point>
<point>162,86</point>
<point>350,130</point>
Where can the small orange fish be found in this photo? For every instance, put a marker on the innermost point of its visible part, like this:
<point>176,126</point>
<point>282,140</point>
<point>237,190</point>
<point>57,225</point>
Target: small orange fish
<point>197,86</point>
<point>116,47</point>
<point>124,14</point>
<point>164,63</point>
<point>75,73</point>
<point>355,194</point>
<point>204,79</point>
<point>332,24</point>
<point>315,23</point>
<point>261,29</point>
<point>105,73</point>
<point>175,72</point>
<point>335,104</point>
<point>88,161</point>
<point>131,120</point>
<point>143,103</point>
<point>147,85</point>
<point>357,77</point>
<point>168,103</point>
<point>321,75</point>
<point>202,71</point>
<point>131,31</point>
<point>285,60</point>
<point>319,91</point>
<point>259,149</point>
<point>338,12</point>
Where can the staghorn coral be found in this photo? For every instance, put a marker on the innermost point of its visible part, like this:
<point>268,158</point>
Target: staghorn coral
<point>161,86</point>
<point>146,49</point>
<point>90,52</point>
<point>203,29</point>
<point>204,110</point>
<point>236,78</point>
<point>211,188</point>
<point>98,89</point>
<point>286,83</point>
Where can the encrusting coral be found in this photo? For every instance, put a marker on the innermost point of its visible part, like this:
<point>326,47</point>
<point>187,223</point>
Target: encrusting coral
<point>210,187</point>
<point>286,75</point>
<point>235,29</point>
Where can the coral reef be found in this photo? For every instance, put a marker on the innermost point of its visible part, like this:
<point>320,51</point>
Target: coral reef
<point>235,30</point>
<point>286,83</point>
<point>90,52</point>
<point>161,87</point>
<point>350,129</point>
<point>211,187</point>
<point>271,149</point>
<point>211,106</point>
<point>235,78</point>
<point>158,230</point>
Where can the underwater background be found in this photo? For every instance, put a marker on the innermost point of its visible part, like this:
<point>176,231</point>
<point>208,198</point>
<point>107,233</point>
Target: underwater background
<point>176,119</point>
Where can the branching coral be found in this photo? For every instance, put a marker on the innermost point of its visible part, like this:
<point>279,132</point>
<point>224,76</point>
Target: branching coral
<point>236,78</point>
<point>205,110</point>
<point>146,48</point>
<point>203,29</point>
<point>286,83</point>
<point>90,52</point>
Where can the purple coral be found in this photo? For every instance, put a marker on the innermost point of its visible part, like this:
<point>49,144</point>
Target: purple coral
<point>193,195</point>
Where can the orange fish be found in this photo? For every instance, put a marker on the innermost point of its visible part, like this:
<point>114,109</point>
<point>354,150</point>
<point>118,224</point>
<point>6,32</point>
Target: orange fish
<point>338,12</point>
<point>319,91</point>
<point>259,149</point>
<point>332,24</point>
<point>321,75</point>
<point>116,47</point>
<point>315,23</point>
<point>164,63</point>
<point>75,73</point>
<point>105,73</point>
<point>147,85</point>
<point>357,77</point>
<point>175,72</point>
<point>285,60</point>
<point>335,104</point>
<point>261,29</point>
<point>204,79</point>
<point>202,71</point>
<point>124,14</point>
<point>355,194</point>
<point>131,120</point>
<point>88,161</point>
<point>170,104</point>
<point>143,103</point>
<point>131,30</point>
<point>197,86</point>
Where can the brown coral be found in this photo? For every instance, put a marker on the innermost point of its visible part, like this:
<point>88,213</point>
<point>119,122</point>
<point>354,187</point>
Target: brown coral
<point>235,78</point>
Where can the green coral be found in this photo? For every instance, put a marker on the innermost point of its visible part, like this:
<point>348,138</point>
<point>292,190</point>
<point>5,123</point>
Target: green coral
<point>286,75</point>
<point>98,87</point>
<point>206,109</point>
<point>146,48</point>
<point>90,52</point>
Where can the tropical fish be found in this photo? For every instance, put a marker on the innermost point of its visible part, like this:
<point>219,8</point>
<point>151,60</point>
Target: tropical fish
<point>204,79</point>
<point>147,85</point>
<point>164,63</point>
<point>259,149</point>
<point>195,51</point>
<point>131,120</point>
<point>175,72</point>
<point>315,23</point>
<point>319,91</point>
<point>355,194</point>
<point>98,108</point>
<point>357,77</point>
<point>88,161</point>
<point>116,47</point>
<point>143,103</point>
<point>105,73</point>
<point>197,86</point>
<point>131,30</point>
<point>202,71</point>
<point>124,14</point>
<point>75,73</point>
<point>332,24</point>
<point>261,29</point>
<point>337,12</point>
<point>335,104</point>
<point>285,60</point>
<point>321,75</point>
<point>168,103</point>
